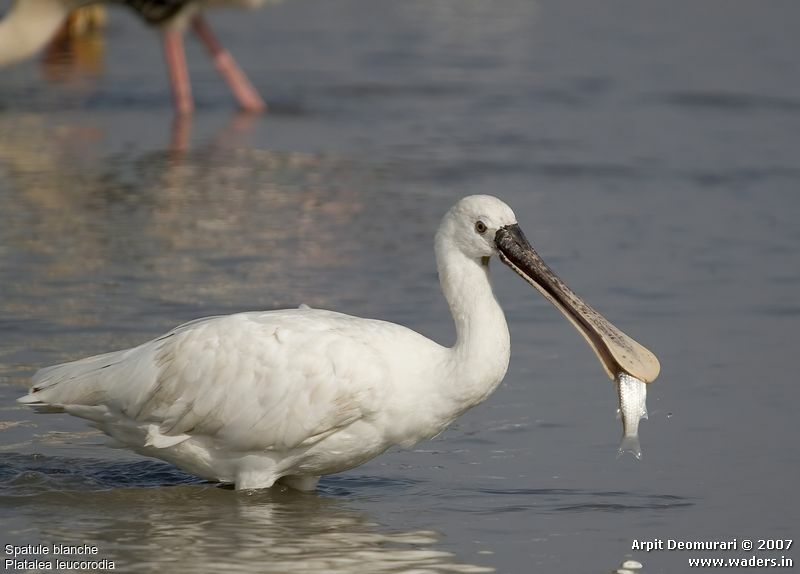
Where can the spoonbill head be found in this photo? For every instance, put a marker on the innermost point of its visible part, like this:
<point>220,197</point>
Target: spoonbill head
<point>291,395</point>
<point>472,224</point>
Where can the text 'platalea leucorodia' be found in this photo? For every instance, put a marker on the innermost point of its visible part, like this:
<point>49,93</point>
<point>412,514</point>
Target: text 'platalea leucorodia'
<point>291,395</point>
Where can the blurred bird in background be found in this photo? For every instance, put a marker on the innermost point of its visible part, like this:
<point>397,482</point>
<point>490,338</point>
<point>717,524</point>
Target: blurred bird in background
<point>77,49</point>
<point>30,25</point>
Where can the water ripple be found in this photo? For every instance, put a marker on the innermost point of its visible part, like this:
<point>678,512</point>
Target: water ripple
<point>31,475</point>
<point>578,500</point>
<point>198,527</point>
<point>730,101</point>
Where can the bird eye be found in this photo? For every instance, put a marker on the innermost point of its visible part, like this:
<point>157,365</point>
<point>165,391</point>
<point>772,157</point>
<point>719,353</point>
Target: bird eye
<point>480,227</point>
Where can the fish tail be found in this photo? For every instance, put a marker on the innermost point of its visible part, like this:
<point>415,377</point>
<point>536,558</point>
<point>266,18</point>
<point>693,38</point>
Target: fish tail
<point>630,444</point>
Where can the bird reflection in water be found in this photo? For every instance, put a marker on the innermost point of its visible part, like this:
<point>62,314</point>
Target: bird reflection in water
<point>170,228</point>
<point>77,50</point>
<point>195,527</point>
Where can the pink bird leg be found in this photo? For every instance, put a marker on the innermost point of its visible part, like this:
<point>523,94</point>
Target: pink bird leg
<point>178,72</point>
<point>244,92</point>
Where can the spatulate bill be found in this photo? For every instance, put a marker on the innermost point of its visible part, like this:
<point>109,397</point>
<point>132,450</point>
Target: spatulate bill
<point>616,351</point>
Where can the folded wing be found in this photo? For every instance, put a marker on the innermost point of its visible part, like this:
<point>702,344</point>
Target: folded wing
<point>273,380</point>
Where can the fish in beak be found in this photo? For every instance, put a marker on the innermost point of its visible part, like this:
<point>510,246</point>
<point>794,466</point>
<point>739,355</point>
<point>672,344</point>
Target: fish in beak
<point>618,353</point>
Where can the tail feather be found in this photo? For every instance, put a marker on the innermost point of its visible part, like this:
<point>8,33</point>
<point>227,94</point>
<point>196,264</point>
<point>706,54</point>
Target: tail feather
<point>49,376</point>
<point>68,383</point>
<point>30,399</point>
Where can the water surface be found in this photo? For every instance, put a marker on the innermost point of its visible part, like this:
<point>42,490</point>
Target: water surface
<point>650,153</point>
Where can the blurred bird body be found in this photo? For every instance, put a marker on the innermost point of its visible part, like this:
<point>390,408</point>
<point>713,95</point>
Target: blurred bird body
<point>31,24</point>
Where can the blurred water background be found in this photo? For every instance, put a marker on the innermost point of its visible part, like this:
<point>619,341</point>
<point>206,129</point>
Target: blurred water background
<point>651,151</point>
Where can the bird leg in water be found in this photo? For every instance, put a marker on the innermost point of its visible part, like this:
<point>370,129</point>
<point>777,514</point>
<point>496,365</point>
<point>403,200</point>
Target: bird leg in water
<point>178,72</point>
<point>244,92</point>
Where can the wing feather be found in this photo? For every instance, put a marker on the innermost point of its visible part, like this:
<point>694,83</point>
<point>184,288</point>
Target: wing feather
<point>272,380</point>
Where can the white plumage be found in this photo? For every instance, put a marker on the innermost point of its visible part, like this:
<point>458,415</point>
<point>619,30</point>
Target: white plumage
<point>292,395</point>
<point>253,397</point>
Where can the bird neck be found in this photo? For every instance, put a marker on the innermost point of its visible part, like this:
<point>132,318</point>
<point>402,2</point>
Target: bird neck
<point>29,25</point>
<point>481,352</point>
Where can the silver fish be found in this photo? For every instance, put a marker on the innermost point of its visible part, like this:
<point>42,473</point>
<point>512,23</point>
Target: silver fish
<point>632,408</point>
<point>628,363</point>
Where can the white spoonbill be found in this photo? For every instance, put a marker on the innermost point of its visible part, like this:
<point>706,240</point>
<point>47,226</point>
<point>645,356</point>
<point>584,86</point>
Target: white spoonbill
<point>291,395</point>
<point>30,24</point>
